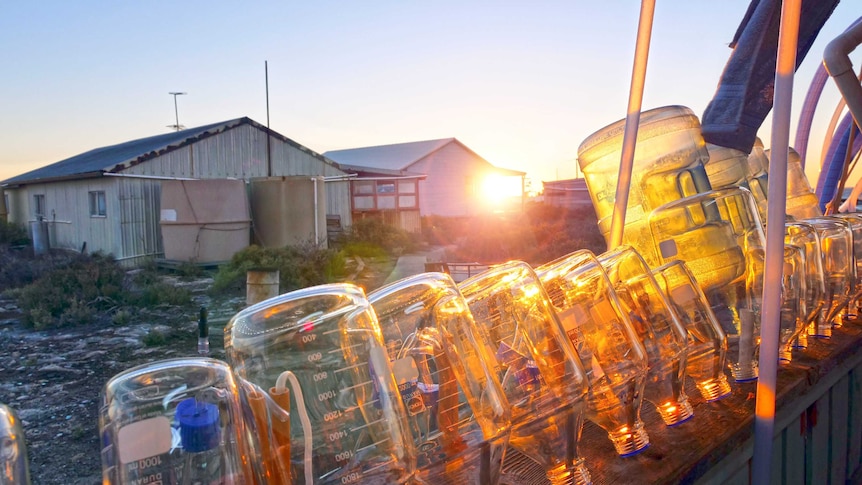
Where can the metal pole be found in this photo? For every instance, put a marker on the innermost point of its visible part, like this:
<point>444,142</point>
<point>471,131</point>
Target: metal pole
<point>636,90</point>
<point>268,143</point>
<point>176,111</point>
<point>764,419</point>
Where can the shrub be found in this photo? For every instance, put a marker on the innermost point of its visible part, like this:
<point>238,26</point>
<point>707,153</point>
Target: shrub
<point>19,267</point>
<point>154,339</point>
<point>69,293</point>
<point>298,267</point>
<point>378,233</point>
<point>121,317</point>
<point>73,289</point>
<point>189,271</point>
<point>160,293</point>
<point>13,234</point>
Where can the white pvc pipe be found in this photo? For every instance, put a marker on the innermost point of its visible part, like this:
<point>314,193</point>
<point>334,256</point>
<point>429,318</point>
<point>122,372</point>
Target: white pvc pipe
<point>152,177</point>
<point>764,419</point>
<point>636,90</point>
<point>837,61</point>
<point>316,215</point>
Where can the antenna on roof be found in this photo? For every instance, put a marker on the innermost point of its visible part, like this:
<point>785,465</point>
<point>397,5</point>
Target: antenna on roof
<point>176,126</point>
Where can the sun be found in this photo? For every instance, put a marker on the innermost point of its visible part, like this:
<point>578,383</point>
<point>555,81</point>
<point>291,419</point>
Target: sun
<point>496,189</point>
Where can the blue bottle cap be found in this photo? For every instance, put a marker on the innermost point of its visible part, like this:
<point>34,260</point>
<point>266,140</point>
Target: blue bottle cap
<point>199,425</point>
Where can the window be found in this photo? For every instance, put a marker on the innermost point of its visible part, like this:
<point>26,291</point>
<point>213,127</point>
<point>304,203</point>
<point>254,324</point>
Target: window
<point>407,186</point>
<point>363,187</point>
<point>39,205</point>
<point>385,187</point>
<point>97,204</point>
<point>384,195</point>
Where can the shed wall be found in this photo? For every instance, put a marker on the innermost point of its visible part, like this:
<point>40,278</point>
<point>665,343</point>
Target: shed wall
<point>338,200</point>
<point>451,188</point>
<point>66,210</point>
<point>130,230</point>
<point>236,153</point>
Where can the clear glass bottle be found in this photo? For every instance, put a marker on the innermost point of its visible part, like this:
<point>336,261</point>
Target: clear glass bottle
<point>707,343</point>
<point>446,372</point>
<point>793,312</point>
<point>315,358</point>
<point>14,469</point>
<point>839,270</point>
<point>720,237</point>
<point>668,165</point>
<point>659,329</point>
<point>175,422</point>
<point>802,203</point>
<point>540,372</point>
<point>805,236</point>
<point>614,359</point>
<point>758,176</point>
<point>855,221</point>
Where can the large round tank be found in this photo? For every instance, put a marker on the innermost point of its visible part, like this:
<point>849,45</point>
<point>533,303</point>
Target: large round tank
<point>204,221</point>
<point>287,211</point>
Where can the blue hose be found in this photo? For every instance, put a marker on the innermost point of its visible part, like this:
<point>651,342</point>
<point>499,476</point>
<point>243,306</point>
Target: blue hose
<point>827,183</point>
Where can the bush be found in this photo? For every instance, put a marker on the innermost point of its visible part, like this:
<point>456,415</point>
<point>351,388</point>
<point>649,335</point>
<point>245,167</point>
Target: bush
<point>73,289</point>
<point>298,267</point>
<point>378,233</point>
<point>20,267</point>
<point>69,294</point>
<point>154,339</point>
<point>160,293</point>
<point>13,234</point>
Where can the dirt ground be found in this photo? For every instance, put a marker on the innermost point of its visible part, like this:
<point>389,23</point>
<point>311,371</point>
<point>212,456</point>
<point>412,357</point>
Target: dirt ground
<point>53,379</point>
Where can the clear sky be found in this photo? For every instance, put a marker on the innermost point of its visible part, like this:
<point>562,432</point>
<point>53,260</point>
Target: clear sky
<point>521,83</point>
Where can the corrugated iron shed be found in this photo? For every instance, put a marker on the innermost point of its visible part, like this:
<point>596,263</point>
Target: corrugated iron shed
<point>116,158</point>
<point>399,156</point>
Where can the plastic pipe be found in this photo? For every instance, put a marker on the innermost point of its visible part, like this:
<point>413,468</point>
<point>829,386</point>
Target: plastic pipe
<point>828,175</point>
<point>636,90</point>
<point>764,420</point>
<point>831,132</point>
<point>316,216</point>
<point>837,61</point>
<point>831,173</point>
<point>806,116</point>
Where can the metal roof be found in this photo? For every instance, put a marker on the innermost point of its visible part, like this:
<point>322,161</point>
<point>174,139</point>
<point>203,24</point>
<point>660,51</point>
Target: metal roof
<point>398,156</point>
<point>115,158</point>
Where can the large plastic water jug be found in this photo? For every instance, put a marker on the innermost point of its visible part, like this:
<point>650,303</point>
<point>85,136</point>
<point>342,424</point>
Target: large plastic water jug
<point>668,165</point>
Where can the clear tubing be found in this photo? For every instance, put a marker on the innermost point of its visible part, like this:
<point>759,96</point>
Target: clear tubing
<point>632,119</point>
<point>766,383</point>
<point>307,433</point>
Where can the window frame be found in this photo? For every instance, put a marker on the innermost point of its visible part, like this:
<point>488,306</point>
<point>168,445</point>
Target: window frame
<point>38,206</point>
<point>98,203</point>
<point>392,192</point>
